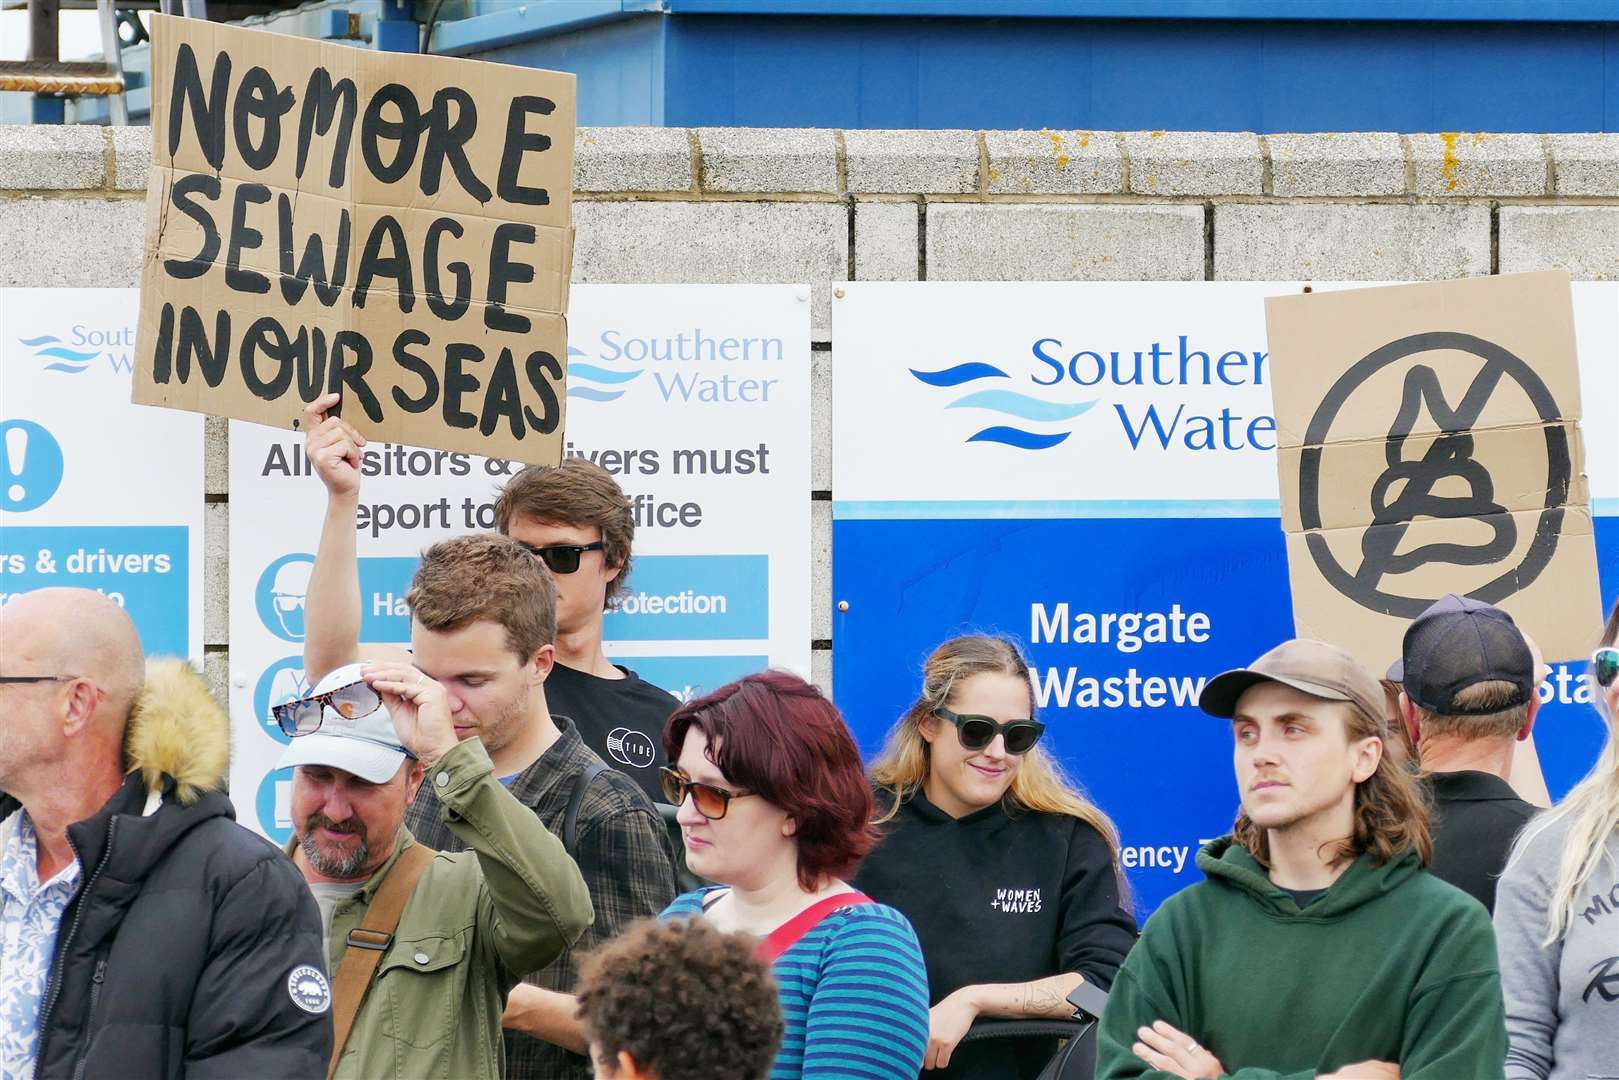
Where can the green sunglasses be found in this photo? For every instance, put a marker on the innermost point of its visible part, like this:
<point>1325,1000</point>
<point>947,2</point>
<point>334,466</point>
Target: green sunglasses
<point>977,732</point>
<point>1605,665</point>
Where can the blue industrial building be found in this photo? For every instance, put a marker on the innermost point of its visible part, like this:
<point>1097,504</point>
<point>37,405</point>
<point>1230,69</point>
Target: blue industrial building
<point>1248,65</point>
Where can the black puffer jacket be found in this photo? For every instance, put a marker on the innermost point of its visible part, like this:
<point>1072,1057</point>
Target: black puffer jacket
<point>175,957</point>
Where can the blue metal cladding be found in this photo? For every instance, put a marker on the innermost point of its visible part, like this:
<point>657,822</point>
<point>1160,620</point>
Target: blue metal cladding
<point>620,66</point>
<point>1120,74</point>
<point>1229,74</point>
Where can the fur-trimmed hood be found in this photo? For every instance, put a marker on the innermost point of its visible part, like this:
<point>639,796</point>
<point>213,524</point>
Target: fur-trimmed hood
<point>176,729</point>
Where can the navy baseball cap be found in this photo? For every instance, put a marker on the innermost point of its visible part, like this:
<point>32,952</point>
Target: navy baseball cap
<point>1457,643</point>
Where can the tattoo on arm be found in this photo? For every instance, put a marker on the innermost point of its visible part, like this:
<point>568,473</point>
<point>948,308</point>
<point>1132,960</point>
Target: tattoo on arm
<point>1039,999</point>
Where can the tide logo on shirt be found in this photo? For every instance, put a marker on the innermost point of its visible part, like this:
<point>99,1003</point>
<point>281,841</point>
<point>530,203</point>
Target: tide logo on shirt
<point>630,747</point>
<point>1016,901</point>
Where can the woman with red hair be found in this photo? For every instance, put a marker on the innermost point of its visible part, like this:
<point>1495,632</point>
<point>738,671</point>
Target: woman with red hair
<point>774,805</point>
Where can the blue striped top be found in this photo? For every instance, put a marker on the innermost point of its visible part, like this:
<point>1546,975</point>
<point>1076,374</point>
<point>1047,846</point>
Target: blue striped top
<point>854,995</point>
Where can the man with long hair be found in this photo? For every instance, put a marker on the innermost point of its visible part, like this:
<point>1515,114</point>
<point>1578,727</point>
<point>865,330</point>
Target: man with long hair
<point>1319,946</point>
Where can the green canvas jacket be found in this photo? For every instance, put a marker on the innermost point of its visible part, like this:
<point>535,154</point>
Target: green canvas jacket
<point>476,922</point>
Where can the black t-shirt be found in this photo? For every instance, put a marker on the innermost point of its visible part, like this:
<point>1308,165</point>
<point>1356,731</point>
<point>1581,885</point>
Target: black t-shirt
<point>620,719</point>
<point>1477,815</point>
<point>1000,899</point>
<point>1304,897</point>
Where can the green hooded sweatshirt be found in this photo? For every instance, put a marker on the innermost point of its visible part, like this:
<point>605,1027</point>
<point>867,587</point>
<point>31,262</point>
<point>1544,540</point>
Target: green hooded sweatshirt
<point>1391,964</point>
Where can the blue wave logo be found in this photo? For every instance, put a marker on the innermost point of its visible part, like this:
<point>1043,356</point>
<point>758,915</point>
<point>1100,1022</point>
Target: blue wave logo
<point>47,346</point>
<point>1008,403</point>
<point>593,382</point>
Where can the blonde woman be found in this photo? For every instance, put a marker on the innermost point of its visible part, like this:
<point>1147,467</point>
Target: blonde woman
<point>1557,915</point>
<point>1009,875</point>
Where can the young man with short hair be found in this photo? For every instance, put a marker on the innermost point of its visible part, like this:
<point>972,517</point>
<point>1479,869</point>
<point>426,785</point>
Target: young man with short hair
<point>1319,946</point>
<point>1468,699</point>
<point>483,622</point>
<point>576,518</point>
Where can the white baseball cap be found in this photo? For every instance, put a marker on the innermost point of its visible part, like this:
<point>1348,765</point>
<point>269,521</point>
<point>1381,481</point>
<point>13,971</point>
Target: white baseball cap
<point>364,743</point>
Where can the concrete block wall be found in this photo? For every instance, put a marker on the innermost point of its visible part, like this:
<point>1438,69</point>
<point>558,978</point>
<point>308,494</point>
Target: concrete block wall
<point>797,205</point>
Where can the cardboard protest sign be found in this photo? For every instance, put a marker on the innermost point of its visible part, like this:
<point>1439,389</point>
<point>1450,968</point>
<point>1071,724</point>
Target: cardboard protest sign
<point>1428,442</point>
<point>394,227</point>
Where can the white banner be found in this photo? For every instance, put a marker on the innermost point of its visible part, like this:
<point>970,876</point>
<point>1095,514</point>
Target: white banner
<point>697,399</point>
<point>95,492</point>
<point>1128,391</point>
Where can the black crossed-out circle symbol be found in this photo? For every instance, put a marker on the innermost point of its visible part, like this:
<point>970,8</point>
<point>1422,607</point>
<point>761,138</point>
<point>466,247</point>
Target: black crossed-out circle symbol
<point>1450,455</point>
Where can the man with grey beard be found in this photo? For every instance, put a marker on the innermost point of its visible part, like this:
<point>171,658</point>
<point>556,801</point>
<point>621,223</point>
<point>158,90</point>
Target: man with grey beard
<point>471,923</point>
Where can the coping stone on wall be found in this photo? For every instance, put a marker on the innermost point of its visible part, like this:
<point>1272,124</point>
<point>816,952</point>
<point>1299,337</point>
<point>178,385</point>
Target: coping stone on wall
<point>1195,163</point>
<point>1478,163</point>
<point>911,162</point>
<point>1329,163</point>
<point>52,157</point>
<point>1585,164</point>
<point>632,159</point>
<point>769,160</point>
<point>1050,162</point>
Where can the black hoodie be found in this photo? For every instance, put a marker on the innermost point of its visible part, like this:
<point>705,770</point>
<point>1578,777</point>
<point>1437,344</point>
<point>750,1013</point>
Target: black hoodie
<point>998,898</point>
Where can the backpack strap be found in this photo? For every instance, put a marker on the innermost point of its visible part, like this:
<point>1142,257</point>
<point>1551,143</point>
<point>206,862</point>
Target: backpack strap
<point>576,799</point>
<point>790,932</point>
<point>370,940</point>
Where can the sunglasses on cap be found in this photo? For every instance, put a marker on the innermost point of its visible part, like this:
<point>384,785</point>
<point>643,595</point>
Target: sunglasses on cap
<point>977,732</point>
<point>562,558</point>
<point>303,717</point>
<point>710,801</point>
<point>1605,665</point>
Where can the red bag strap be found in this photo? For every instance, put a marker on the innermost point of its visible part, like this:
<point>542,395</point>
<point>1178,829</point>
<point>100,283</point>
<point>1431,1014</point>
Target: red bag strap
<point>790,932</point>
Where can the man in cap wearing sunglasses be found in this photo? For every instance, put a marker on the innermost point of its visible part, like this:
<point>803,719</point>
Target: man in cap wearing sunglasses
<point>430,988</point>
<point>1468,699</point>
<point>1319,946</point>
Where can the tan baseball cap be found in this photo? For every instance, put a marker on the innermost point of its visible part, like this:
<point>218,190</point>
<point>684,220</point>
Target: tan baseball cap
<point>1313,667</point>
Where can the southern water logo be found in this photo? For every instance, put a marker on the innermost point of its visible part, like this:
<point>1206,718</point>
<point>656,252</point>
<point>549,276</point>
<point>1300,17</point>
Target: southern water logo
<point>594,382</point>
<point>1008,403</point>
<point>84,345</point>
<point>50,347</point>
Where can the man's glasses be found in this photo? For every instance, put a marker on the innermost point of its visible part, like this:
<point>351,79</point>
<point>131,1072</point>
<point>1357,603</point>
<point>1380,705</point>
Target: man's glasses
<point>562,558</point>
<point>977,732</point>
<point>1605,665</point>
<point>22,679</point>
<point>710,801</point>
<point>303,717</point>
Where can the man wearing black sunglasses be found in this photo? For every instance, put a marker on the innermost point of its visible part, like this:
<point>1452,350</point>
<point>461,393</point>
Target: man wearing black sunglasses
<point>576,520</point>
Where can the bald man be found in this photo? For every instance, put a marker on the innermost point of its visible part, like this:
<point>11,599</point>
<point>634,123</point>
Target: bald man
<point>142,931</point>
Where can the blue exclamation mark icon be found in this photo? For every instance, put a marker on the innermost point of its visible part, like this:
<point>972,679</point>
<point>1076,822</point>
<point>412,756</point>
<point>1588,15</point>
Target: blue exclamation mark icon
<point>30,465</point>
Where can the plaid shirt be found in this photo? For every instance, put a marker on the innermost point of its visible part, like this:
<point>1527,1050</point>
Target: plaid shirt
<point>623,854</point>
